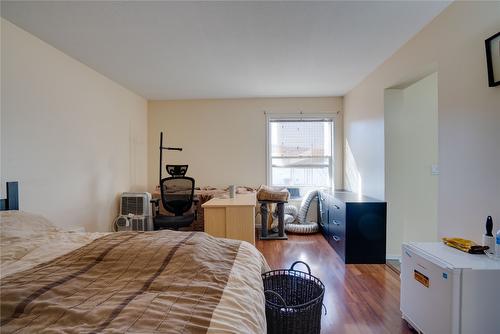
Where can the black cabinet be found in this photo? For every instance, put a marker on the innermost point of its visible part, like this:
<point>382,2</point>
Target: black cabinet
<point>355,226</point>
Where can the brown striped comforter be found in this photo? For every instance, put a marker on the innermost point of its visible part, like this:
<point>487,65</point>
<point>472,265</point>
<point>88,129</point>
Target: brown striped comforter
<point>165,282</point>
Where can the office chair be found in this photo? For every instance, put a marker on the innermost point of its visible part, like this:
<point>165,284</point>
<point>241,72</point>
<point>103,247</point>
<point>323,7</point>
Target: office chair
<point>177,196</point>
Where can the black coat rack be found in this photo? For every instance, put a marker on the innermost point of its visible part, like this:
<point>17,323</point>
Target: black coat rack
<point>161,153</point>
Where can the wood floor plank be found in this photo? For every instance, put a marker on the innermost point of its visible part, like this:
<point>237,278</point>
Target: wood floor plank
<point>360,298</point>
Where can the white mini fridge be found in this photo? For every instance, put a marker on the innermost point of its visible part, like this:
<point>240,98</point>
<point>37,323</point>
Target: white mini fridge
<point>446,291</point>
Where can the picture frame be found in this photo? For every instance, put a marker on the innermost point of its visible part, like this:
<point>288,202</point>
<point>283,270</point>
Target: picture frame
<point>492,45</point>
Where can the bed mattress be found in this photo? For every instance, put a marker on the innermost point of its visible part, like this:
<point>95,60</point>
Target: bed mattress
<point>138,282</point>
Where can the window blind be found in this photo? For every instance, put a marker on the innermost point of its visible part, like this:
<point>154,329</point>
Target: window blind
<point>301,152</point>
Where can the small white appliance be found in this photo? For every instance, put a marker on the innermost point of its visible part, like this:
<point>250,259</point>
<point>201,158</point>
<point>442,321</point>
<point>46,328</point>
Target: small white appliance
<point>135,212</point>
<point>444,290</point>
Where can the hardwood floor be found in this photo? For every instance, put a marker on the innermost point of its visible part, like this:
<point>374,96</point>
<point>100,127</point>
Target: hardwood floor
<point>360,299</point>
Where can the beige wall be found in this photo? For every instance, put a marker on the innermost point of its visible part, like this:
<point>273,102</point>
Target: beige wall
<point>469,116</point>
<point>72,138</point>
<point>224,141</point>
<point>411,148</point>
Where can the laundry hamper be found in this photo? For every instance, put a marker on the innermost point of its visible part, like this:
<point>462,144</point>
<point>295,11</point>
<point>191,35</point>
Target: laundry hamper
<point>294,301</point>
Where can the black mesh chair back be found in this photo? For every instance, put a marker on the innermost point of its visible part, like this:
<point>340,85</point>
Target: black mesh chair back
<point>177,194</point>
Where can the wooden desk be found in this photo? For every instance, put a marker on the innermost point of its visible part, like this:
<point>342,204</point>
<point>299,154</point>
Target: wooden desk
<point>232,218</point>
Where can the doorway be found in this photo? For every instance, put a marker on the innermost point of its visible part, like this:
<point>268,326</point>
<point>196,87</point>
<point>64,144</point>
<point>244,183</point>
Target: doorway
<point>411,163</point>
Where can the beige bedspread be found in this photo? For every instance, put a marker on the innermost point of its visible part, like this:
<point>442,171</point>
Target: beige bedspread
<point>27,240</point>
<point>164,281</point>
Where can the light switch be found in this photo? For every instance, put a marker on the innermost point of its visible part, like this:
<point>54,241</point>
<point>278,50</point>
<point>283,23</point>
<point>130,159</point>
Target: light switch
<point>435,169</point>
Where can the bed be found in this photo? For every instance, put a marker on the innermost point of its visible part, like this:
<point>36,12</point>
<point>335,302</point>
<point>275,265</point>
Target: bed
<point>137,282</point>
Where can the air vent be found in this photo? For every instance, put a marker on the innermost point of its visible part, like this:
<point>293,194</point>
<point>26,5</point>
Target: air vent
<point>133,205</point>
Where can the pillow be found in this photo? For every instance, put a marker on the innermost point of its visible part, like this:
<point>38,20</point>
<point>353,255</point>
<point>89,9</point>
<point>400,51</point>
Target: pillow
<point>20,224</point>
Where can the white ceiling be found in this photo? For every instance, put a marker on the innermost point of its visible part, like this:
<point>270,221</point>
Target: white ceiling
<point>178,50</point>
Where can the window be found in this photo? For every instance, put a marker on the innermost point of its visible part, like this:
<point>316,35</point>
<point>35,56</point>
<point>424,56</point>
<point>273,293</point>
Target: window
<point>300,152</point>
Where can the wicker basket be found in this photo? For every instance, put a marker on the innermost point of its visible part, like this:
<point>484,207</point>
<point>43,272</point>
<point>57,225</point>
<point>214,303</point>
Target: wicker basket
<point>294,300</point>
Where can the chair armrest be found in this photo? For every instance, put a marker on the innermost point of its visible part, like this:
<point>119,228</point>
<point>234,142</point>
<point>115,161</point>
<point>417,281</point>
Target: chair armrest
<point>156,204</point>
<point>196,200</point>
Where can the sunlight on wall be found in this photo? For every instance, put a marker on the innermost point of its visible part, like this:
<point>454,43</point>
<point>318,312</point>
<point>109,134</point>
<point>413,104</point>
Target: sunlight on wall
<point>353,180</point>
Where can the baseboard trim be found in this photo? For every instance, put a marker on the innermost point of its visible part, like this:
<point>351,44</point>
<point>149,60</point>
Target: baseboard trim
<point>393,257</point>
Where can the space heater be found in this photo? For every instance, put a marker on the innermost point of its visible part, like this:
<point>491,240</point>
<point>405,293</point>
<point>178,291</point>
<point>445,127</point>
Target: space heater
<point>135,212</point>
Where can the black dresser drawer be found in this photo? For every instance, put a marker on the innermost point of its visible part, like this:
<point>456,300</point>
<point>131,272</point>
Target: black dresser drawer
<point>337,227</point>
<point>338,243</point>
<point>338,209</point>
<point>323,214</point>
<point>355,226</point>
